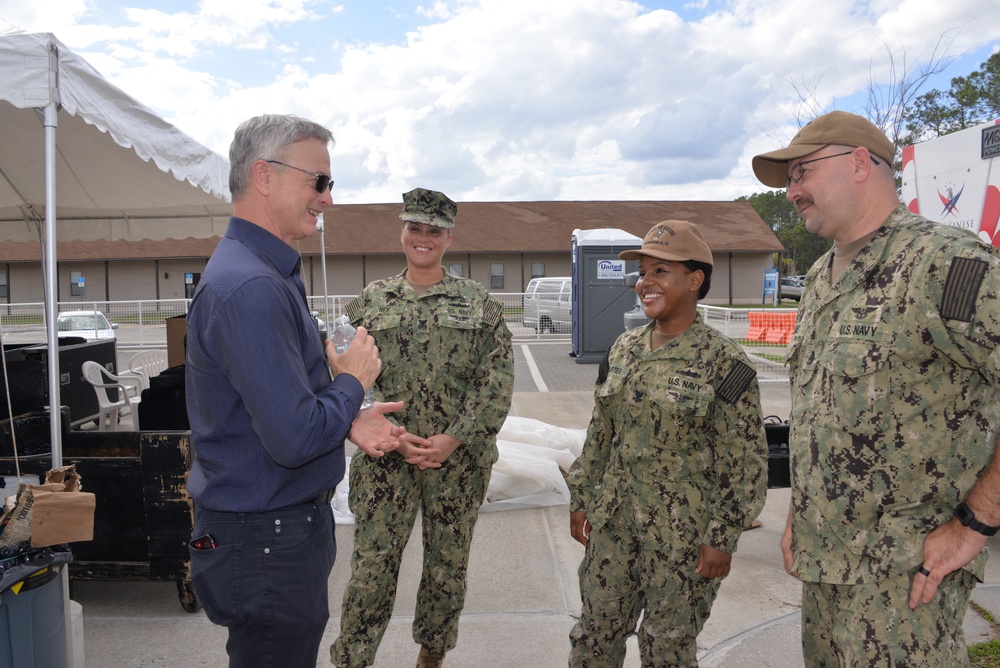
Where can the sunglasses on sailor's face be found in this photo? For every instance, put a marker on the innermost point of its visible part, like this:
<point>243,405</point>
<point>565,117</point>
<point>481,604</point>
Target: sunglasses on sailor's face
<point>323,182</point>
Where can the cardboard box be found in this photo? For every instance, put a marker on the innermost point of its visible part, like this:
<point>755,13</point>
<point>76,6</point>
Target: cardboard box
<point>62,513</point>
<point>52,513</point>
<point>176,333</point>
<point>62,517</point>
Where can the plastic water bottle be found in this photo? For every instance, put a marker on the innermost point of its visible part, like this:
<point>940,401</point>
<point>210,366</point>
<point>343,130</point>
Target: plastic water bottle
<point>343,334</point>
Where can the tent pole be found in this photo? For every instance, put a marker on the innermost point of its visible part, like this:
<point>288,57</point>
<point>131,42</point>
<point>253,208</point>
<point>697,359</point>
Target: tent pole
<point>50,121</point>
<point>326,296</point>
<point>55,417</point>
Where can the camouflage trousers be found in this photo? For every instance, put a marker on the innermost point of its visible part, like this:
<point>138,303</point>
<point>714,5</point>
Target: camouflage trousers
<point>621,578</point>
<point>872,625</point>
<point>385,495</point>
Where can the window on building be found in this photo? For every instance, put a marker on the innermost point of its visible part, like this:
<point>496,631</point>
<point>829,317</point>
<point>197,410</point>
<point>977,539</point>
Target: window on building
<point>496,276</point>
<point>537,269</point>
<point>455,269</point>
<point>3,283</point>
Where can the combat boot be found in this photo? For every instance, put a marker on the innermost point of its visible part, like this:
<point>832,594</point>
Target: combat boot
<point>429,659</point>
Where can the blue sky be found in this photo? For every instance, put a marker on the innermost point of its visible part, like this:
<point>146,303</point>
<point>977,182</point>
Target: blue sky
<point>519,99</point>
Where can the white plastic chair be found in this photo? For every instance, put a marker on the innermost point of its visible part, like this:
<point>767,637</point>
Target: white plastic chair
<point>110,410</point>
<point>147,364</point>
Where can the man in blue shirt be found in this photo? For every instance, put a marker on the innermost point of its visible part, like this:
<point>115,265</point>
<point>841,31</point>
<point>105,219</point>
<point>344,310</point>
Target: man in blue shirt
<point>267,422</point>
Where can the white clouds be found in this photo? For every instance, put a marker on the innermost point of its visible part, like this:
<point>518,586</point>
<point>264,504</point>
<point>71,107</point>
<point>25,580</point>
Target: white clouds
<point>58,14</point>
<point>439,10</point>
<point>521,99</point>
<point>214,24</point>
<point>922,21</point>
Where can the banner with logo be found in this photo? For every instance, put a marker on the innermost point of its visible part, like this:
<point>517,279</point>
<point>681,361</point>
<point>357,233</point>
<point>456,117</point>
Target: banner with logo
<point>955,179</point>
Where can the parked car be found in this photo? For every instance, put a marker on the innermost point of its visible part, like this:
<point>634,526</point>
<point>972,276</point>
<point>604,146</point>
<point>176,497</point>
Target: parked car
<point>791,288</point>
<point>85,324</point>
<point>637,316</point>
<point>548,304</point>
<point>320,323</point>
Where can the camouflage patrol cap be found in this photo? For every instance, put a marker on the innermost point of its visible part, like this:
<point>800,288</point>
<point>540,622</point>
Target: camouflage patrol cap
<point>672,240</point>
<point>428,207</point>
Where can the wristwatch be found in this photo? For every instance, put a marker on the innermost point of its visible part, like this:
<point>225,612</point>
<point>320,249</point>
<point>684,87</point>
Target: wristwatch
<point>968,519</point>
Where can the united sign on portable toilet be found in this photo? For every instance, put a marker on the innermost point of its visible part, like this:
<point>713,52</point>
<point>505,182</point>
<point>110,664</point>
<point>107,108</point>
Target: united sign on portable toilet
<point>600,296</point>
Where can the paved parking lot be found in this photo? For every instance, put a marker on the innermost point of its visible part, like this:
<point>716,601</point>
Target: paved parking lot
<point>549,367</point>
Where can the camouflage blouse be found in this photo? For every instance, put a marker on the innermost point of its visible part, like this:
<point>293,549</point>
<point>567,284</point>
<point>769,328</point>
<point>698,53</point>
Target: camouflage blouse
<point>446,353</point>
<point>676,441</point>
<point>895,373</point>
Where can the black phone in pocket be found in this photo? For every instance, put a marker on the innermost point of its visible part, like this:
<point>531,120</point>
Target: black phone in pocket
<point>205,542</point>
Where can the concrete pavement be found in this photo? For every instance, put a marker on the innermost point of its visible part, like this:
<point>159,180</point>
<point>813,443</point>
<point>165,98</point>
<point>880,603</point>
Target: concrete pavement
<point>523,592</point>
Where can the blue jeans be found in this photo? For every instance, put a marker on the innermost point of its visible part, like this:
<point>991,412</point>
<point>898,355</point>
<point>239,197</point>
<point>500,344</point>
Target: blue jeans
<point>266,580</point>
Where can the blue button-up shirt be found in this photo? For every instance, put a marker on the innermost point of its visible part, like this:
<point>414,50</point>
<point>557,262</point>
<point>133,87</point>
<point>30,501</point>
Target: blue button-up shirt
<point>267,423</point>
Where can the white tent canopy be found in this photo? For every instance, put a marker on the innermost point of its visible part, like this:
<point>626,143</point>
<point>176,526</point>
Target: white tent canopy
<point>76,149</point>
<point>121,172</point>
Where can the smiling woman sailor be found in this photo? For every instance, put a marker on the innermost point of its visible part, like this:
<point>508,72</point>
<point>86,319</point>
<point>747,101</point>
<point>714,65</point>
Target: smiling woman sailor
<point>672,469</point>
<point>453,364</point>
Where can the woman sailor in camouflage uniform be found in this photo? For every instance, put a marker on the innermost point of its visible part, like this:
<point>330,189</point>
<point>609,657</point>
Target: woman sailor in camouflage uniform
<point>672,469</point>
<point>448,356</point>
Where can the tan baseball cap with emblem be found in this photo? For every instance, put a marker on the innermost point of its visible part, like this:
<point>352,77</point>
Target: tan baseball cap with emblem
<point>672,240</point>
<point>837,128</point>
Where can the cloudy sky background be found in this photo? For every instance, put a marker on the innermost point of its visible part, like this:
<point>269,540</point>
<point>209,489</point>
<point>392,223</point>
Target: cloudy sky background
<point>519,99</point>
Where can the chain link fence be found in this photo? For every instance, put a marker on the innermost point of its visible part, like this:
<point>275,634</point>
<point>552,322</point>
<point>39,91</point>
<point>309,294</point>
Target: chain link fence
<point>763,333</point>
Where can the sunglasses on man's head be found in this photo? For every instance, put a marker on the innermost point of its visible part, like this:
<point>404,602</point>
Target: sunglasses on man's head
<point>323,182</point>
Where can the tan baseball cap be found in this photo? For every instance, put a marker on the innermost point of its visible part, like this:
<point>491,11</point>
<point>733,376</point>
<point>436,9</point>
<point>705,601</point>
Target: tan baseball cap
<point>839,128</point>
<point>673,240</point>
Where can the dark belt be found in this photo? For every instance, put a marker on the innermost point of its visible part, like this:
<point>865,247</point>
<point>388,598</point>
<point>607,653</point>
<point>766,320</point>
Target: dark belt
<point>324,497</point>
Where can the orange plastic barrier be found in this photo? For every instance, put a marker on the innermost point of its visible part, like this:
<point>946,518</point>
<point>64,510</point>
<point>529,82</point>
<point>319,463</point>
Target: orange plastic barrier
<point>779,327</point>
<point>758,328</point>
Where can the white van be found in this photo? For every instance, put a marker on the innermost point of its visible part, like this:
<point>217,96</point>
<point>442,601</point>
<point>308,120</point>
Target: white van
<point>548,304</point>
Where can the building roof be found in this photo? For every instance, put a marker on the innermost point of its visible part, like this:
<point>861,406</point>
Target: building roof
<point>120,249</point>
<point>481,227</point>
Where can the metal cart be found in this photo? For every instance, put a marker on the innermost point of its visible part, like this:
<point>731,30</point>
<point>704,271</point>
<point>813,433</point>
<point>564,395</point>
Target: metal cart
<point>143,515</point>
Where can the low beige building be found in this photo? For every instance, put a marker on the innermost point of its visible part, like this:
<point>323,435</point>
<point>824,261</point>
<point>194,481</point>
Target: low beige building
<point>500,244</point>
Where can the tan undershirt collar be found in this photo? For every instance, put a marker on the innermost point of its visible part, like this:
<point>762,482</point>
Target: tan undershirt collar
<point>421,288</point>
<point>844,255</point>
<point>656,339</point>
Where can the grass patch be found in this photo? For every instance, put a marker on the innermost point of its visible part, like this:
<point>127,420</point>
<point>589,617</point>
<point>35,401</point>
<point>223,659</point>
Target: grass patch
<point>985,655</point>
